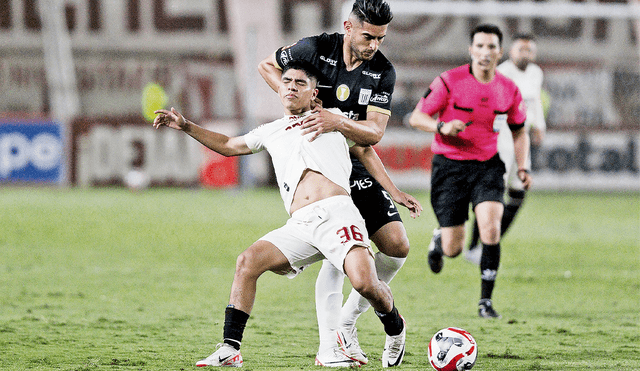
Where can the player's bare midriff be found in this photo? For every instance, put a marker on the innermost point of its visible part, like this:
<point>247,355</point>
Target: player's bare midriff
<point>313,187</point>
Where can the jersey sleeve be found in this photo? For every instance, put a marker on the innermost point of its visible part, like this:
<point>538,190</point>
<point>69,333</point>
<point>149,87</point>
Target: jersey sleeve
<point>380,100</point>
<point>254,139</point>
<point>435,99</point>
<point>304,50</point>
<point>517,114</point>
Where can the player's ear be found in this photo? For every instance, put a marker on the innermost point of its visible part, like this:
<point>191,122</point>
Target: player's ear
<point>347,26</point>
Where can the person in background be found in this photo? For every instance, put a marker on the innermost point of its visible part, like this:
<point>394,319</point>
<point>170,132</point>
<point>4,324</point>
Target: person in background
<point>527,75</point>
<point>465,107</point>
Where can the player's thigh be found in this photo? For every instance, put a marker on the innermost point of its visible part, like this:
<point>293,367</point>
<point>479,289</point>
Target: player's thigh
<point>374,203</point>
<point>262,256</point>
<point>391,239</point>
<point>359,266</point>
<point>293,243</point>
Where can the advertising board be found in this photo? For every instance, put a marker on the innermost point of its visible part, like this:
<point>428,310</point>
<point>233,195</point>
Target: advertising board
<point>31,151</point>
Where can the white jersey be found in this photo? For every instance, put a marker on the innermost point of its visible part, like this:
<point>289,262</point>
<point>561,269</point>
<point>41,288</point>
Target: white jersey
<point>529,82</point>
<point>292,153</point>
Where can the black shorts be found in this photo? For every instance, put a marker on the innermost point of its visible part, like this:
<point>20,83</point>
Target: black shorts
<point>455,184</point>
<point>375,204</point>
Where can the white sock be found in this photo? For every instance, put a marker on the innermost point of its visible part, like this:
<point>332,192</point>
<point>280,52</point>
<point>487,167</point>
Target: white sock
<point>386,267</point>
<point>328,304</point>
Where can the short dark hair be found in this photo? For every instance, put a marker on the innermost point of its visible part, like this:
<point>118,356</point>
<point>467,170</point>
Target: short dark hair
<point>524,36</point>
<point>312,73</point>
<point>375,12</point>
<point>487,28</point>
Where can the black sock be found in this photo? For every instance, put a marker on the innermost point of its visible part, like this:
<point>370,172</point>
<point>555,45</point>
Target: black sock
<point>475,236</point>
<point>489,263</point>
<point>234,322</point>
<point>391,321</point>
<point>516,197</point>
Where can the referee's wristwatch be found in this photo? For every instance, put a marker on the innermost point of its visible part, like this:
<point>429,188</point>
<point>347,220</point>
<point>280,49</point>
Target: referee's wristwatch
<point>439,127</point>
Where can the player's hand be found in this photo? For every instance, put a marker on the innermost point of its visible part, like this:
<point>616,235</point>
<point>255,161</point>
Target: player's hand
<point>525,178</point>
<point>319,122</point>
<point>452,128</point>
<point>409,202</point>
<point>172,119</point>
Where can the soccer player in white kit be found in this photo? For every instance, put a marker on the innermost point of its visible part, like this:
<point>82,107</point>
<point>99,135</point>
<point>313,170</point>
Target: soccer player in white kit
<point>313,177</point>
<point>528,77</point>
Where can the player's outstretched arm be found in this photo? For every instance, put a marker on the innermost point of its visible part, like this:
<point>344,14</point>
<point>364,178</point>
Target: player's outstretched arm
<point>270,72</point>
<point>369,158</point>
<point>366,132</point>
<point>220,143</point>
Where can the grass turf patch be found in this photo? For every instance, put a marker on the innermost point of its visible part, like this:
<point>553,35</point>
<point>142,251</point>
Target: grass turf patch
<point>107,279</point>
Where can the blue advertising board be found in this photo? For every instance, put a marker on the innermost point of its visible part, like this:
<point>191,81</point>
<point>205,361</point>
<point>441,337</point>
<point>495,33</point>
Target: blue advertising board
<point>31,151</point>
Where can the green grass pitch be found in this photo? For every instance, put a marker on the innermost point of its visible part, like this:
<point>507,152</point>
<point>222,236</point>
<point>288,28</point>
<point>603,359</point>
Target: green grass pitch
<point>108,279</point>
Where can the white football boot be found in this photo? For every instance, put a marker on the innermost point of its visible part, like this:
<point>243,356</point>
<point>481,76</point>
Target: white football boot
<point>348,343</point>
<point>394,348</point>
<point>335,357</point>
<point>224,356</point>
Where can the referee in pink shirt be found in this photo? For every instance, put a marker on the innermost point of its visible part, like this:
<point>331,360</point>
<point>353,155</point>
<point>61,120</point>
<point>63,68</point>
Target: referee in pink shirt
<point>465,107</point>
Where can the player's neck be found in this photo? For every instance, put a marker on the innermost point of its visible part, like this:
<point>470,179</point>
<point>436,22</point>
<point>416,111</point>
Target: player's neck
<point>297,112</point>
<point>350,60</point>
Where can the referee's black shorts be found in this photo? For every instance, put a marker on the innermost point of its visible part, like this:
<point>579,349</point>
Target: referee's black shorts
<point>375,204</point>
<point>456,183</point>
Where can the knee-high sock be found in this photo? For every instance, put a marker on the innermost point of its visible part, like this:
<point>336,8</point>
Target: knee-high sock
<point>516,198</point>
<point>386,267</point>
<point>328,303</point>
<point>489,263</point>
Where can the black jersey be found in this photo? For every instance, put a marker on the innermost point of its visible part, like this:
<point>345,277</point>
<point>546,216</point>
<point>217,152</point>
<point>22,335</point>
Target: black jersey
<point>368,87</point>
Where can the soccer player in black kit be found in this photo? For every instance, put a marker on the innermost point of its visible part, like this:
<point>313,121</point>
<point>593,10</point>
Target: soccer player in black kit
<point>359,80</point>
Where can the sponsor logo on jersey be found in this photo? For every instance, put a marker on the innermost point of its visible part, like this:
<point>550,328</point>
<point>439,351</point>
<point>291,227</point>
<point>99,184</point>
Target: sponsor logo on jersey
<point>329,60</point>
<point>380,98</point>
<point>284,57</point>
<point>371,74</point>
<point>342,93</point>
<point>365,94</point>
<point>352,115</point>
<point>294,118</point>
<point>361,184</point>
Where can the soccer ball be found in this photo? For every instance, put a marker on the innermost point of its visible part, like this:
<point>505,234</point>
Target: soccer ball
<point>452,349</point>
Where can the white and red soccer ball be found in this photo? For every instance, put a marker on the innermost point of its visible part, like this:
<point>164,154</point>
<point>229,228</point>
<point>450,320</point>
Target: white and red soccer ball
<point>452,349</point>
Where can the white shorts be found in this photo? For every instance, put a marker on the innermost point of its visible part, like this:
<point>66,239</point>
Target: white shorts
<point>327,228</point>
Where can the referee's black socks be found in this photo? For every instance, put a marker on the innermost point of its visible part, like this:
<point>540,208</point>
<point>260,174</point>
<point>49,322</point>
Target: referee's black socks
<point>489,263</point>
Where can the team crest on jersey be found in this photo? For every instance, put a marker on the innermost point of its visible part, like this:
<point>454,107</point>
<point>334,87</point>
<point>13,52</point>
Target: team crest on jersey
<point>365,94</point>
<point>343,92</point>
